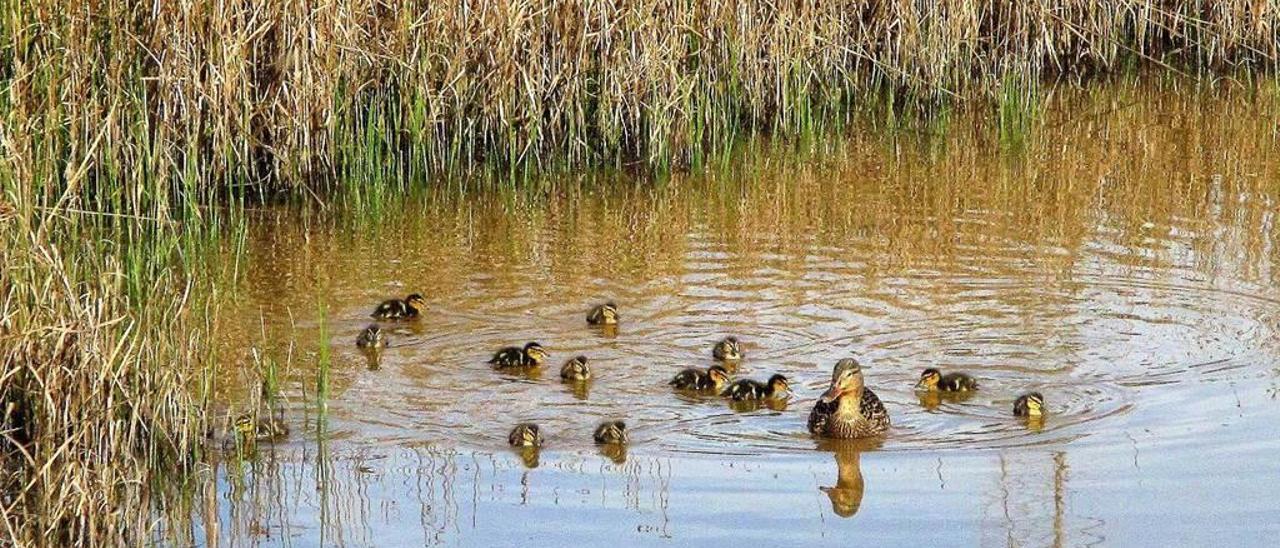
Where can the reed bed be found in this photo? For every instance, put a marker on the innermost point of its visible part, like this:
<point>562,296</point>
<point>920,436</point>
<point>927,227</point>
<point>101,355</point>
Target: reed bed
<point>125,125</point>
<point>186,99</point>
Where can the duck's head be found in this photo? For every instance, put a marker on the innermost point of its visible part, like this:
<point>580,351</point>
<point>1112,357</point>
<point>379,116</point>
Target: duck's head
<point>846,378</point>
<point>416,301</point>
<point>719,376</point>
<point>779,385</point>
<point>731,348</point>
<point>525,435</point>
<point>610,312</point>
<point>612,432</point>
<point>245,427</point>
<point>929,379</point>
<point>1032,404</point>
<point>535,352</point>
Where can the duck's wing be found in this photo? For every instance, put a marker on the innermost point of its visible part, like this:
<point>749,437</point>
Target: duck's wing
<point>872,409</point>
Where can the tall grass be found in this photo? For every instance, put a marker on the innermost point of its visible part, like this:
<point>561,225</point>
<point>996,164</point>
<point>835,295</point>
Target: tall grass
<point>138,106</point>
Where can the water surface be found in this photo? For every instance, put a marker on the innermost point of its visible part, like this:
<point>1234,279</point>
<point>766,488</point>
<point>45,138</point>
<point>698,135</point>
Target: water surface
<point>1121,259</point>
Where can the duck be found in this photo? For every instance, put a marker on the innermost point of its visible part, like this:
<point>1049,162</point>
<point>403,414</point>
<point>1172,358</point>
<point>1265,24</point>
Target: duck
<point>848,409</point>
<point>396,309</point>
<point>575,369</point>
<point>933,380</point>
<point>1030,404</point>
<point>746,389</point>
<point>727,350</point>
<point>525,434</point>
<point>531,355</point>
<point>372,338</point>
<point>604,314</point>
<point>714,378</point>
<point>611,433</point>
<point>250,430</point>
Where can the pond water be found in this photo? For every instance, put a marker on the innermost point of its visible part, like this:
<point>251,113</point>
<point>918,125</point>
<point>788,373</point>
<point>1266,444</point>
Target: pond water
<point>1121,259</point>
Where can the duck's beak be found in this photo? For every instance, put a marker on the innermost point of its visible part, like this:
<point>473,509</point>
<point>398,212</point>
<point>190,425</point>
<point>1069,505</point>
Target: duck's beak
<point>832,394</point>
<point>920,383</point>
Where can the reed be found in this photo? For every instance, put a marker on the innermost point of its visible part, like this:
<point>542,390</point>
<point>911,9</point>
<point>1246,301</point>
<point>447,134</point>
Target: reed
<point>140,107</point>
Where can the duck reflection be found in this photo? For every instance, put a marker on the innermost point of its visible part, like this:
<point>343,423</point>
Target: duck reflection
<point>747,406</point>
<point>932,400</point>
<point>528,456</point>
<point>616,452</point>
<point>846,494</point>
<point>580,389</point>
<point>373,359</point>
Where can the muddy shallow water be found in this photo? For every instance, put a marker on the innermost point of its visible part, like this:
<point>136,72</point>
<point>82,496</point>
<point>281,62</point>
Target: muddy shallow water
<point>1121,260</point>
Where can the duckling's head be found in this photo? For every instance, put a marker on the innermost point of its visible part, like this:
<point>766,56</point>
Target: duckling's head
<point>610,312</point>
<point>779,385</point>
<point>535,352</point>
<point>612,432</point>
<point>730,348</point>
<point>929,379</point>
<point>525,435</point>
<point>416,301</point>
<point>1029,405</point>
<point>719,376</point>
<point>245,427</point>
<point>846,378</point>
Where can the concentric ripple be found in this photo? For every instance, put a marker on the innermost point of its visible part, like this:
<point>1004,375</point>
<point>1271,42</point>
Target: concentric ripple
<point>1098,336</point>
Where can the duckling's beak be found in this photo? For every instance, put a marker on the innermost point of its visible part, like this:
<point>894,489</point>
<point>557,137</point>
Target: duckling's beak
<point>832,394</point>
<point>920,383</point>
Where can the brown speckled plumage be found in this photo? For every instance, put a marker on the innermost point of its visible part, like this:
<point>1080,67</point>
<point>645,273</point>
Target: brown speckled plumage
<point>848,418</point>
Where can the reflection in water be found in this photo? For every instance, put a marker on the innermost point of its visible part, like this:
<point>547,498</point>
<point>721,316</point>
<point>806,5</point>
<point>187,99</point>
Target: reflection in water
<point>580,389</point>
<point>528,455</point>
<point>932,400</point>
<point>616,452</point>
<point>846,494</point>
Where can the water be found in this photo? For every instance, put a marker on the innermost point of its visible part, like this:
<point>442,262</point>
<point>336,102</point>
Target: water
<point>1122,261</point>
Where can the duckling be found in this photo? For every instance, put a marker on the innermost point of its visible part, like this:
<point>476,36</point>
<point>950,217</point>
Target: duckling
<point>1030,404</point>
<point>931,379</point>
<point>250,430</point>
<point>396,309</point>
<point>714,378</point>
<point>372,338</point>
<point>604,314</point>
<point>531,355</point>
<point>848,409</point>
<point>611,432</point>
<point>575,370</point>
<point>746,389</point>
<point>727,350</point>
<point>525,434</point>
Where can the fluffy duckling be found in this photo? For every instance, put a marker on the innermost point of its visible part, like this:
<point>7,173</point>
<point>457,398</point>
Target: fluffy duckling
<point>372,338</point>
<point>714,378</point>
<point>746,389</point>
<point>933,380</point>
<point>396,309</point>
<point>727,350</point>
<point>252,430</point>
<point>604,314</point>
<point>611,432</point>
<point>525,434</point>
<point>532,355</point>
<point>848,409</point>
<point>1030,404</point>
<point>575,369</point>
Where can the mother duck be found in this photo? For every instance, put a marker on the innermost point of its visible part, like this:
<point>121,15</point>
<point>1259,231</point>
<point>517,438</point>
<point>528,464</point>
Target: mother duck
<point>848,409</point>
